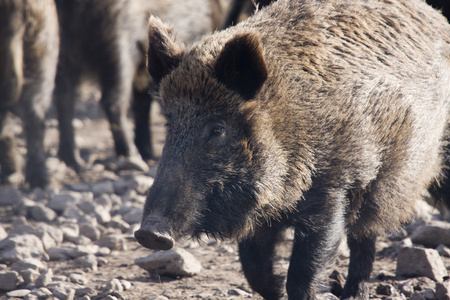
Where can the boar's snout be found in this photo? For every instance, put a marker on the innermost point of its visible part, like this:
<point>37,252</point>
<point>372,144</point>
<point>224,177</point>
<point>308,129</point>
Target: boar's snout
<point>153,234</point>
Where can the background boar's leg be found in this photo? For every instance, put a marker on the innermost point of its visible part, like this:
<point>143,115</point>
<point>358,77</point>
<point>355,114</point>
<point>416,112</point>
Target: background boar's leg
<point>362,255</point>
<point>256,255</point>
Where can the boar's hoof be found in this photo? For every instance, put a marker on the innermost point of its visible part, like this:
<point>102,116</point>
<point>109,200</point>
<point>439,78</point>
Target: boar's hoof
<point>154,240</point>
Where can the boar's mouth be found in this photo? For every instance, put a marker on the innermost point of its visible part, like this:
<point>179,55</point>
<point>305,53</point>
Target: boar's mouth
<point>153,234</point>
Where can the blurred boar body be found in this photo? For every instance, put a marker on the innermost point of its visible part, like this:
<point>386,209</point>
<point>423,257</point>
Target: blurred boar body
<point>29,46</point>
<point>104,41</point>
<point>325,116</point>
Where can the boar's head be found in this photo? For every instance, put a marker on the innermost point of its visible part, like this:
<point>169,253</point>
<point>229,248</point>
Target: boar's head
<point>221,166</point>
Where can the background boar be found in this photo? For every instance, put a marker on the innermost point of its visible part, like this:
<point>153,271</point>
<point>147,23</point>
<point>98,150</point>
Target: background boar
<point>106,42</point>
<point>325,116</point>
<point>242,9</point>
<point>29,45</point>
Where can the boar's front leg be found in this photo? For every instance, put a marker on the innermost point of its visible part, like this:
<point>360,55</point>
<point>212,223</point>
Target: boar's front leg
<point>257,254</point>
<point>362,255</point>
<point>319,229</point>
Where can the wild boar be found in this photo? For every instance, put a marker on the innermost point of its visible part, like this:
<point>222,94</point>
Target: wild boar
<point>325,116</point>
<point>29,46</point>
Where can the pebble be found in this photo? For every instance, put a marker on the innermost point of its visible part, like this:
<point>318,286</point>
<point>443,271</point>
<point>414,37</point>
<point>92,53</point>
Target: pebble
<point>113,242</point>
<point>9,280</point>
<point>9,196</point>
<point>18,293</point>
<point>432,234</point>
<point>415,261</point>
<point>88,261</point>
<point>45,278</point>
<point>174,262</point>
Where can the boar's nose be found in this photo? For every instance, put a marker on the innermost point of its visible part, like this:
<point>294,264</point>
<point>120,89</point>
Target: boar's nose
<point>153,234</point>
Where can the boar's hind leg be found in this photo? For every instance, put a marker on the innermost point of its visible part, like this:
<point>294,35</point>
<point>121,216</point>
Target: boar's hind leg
<point>256,254</point>
<point>8,160</point>
<point>362,255</point>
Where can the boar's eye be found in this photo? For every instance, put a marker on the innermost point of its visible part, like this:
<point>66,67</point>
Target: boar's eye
<point>215,129</point>
<point>168,127</point>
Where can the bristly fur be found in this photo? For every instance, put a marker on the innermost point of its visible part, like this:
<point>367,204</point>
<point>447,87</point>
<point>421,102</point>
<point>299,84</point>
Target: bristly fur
<point>325,116</point>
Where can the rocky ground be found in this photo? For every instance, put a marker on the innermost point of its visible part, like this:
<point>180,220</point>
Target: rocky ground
<point>75,239</point>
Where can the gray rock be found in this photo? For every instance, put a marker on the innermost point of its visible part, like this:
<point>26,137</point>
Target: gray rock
<point>113,242</point>
<point>174,262</point>
<point>239,292</point>
<point>102,214</point>
<point>443,290</point>
<point>15,248</point>
<point>70,231</point>
<point>113,285</point>
<point>29,263</point>
<point>79,187</point>
<point>104,200</point>
<point>64,200</point>
<point>3,233</point>
<point>90,230</point>
<point>72,213</point>
<point>45,278</point>
<point>49,235</point>
<point>104,187</point>
<point>427,294</point>
<point>443,250</point>
<point>121,186</point>
<point>29,275</point>
<point>432,235</point>
<point>61,253</point>
<point>9,280</point>
<point>78,278</point>
<point>9,196</point>
<point>42,293</point>
<point>414,261</point>
<point>119,223</point>
<point>41,213</point>
<point>18,293</point>
<point>134,216</point>
<point>62,290</point>
<point>141,183</point>
<point>88,261</point>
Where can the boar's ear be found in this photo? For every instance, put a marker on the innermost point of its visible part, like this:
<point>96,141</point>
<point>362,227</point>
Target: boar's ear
<point>241,65</point>
<point>164,54</point>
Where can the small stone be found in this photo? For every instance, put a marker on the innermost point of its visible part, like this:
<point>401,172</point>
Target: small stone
<point>385,290</point>
<point>45,278</point>
<point>3,233</point>
<point>15,248</point>
<point>134,215</point>
<point>29,275</point>
<point>88,261</point>
<point>64,200</point>
<point>113,285</point>
<point>42,293</point>
<point>9,196</point>
<point>41,213</point>
<point>28,263</point>
<point>9,280</point>
<point>414,261</point>
<point>126,285</point>
<point>443,290</point>
<point>239,292</point>
<point>62,290</point>
<point>18,293</point>
<point>119,223</point>
<point>174,262</point>
<point>70,231</point>
<point>105,187</point>
<point>443,250</point>
<point>78,278</point>
<point>432,234</point>
<point>113,242</point>
<point>90,230</point>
